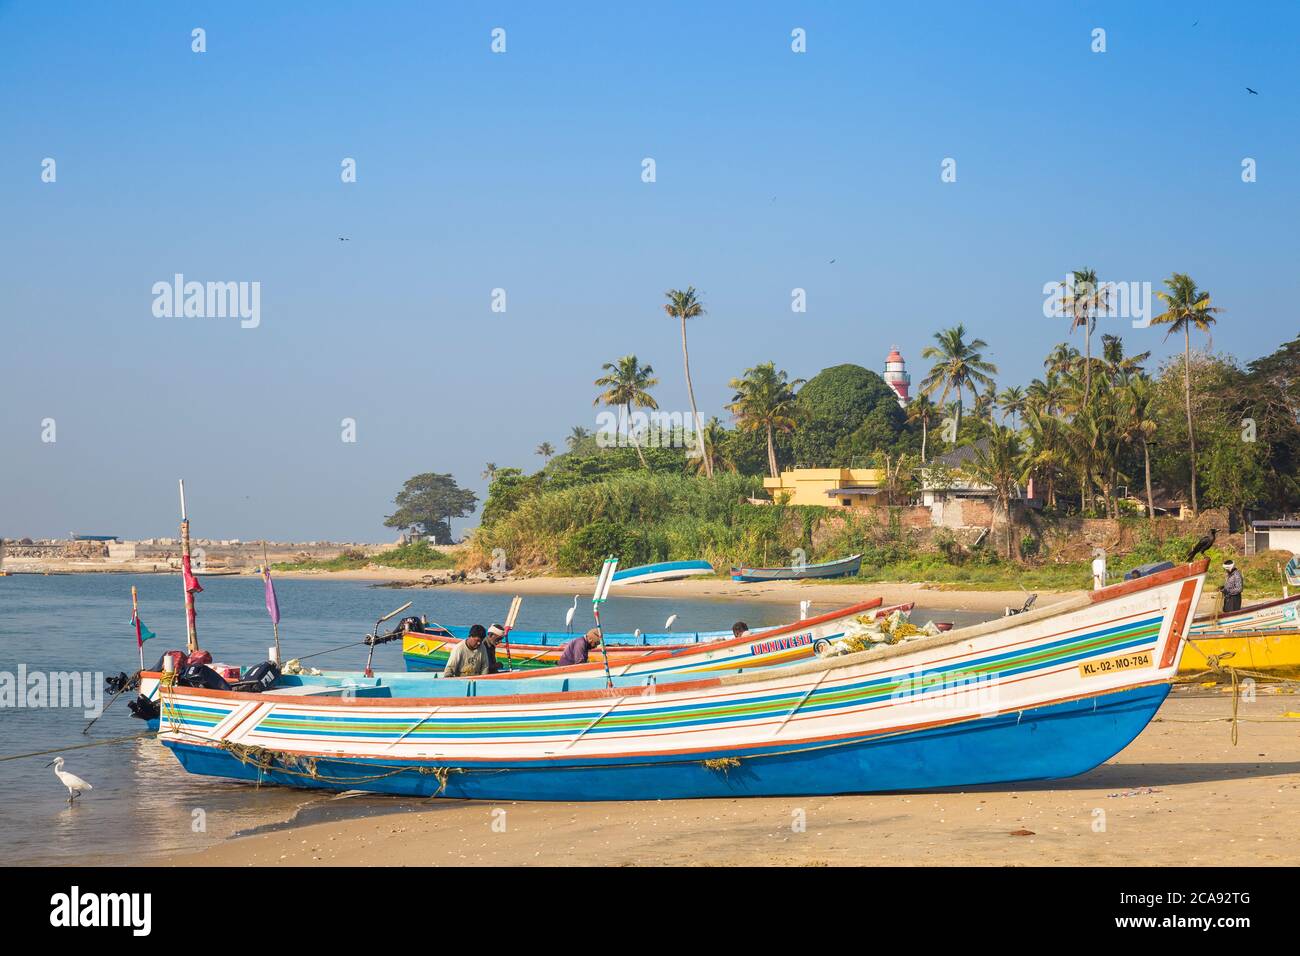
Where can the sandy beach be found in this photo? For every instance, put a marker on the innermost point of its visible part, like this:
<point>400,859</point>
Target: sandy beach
<point>1181,794</point>
<point>824,594</point>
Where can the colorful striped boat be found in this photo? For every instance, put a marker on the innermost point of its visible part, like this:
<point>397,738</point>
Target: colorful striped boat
<point>663,571</point>
<point>844,567</point>
<point>428,651</point>
<point>1049,693</point>
<point>1262,637</point>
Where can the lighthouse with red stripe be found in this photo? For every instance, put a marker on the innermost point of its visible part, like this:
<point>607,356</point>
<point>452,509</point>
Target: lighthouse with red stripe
<point>896,375</point>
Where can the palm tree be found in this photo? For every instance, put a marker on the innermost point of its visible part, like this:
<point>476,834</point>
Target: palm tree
<point>1000,465</point>
<point>1012,402</point>
<point>921,409</point>
<point>626,383</point>
<point>713,442</point>
<point>1120,366</point>
<point>546,450</point>
<point>958,365</point>
<point>1139,423</point>
<point>1046,394</point>
<point>764,400</point>
<point>577,436</point>
<point>685,305</point>
<point>490,471</point>
<point>1081,304</point>
<point>1061,359</point>
<point>1186,307</point>
<point>1046,456</point>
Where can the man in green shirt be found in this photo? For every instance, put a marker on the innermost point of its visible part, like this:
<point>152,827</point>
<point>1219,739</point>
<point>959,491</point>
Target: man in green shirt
<point>469,658</point>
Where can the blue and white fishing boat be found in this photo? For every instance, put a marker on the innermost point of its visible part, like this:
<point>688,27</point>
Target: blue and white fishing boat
<point>1049,693</point>
<point>663,571</point>
<point>844,567</point>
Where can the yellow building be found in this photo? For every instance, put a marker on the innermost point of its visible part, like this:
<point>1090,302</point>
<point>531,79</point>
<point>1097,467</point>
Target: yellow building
<point>828,487</point>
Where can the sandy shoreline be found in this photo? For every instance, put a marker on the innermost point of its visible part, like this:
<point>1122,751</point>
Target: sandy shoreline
<point>824,594</point>
<point>1181,794</point>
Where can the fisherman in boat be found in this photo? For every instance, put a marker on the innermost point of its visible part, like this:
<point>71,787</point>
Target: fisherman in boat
<point>469,658</point>
<point>739,630</point>
<point>1232,587</point>
<point>495,635</point>
<point>576,651</point>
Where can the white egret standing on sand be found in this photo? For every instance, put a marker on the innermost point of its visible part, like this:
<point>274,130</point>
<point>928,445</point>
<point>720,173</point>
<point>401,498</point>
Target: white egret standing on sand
<point>668,624</point>
<point>568,615</point>
<point>70,780</point>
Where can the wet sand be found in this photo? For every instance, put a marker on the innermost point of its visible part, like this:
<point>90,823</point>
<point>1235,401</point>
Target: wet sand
<point>1181,794</point>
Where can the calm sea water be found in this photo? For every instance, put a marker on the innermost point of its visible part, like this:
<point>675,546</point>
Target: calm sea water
<point>142,803</point>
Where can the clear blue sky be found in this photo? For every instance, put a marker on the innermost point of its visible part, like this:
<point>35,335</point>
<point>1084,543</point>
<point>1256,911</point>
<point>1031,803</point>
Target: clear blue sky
<point>523,171</point>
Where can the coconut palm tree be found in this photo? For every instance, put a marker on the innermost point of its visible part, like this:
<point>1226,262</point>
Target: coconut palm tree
<point>546,450</point>
<point>764,400</point>
<point>1012,402</point>
<point>1000,464</point>
<point>1061,359</point>
<point>1186,307</point>
<point>576,437</point>
<point>490,471</point>
<point>958,365</point>
<point>1119,366</point>
<point>1081,304</point>
<point>1139,424</point>
<point>921,409</point>
<point>627,383</point>
<point>685,305</point>
<point>1046,456</point>
<point>713,447</point>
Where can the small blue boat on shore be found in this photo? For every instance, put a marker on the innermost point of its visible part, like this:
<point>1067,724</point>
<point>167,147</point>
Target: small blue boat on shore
<point>663,571</point>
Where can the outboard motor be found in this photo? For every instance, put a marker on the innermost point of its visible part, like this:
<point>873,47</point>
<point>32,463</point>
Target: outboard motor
<point>260,677</point>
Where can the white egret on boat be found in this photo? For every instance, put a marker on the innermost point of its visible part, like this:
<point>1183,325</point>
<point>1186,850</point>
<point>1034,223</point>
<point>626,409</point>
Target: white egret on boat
<point>668,624</point>
<point>568,615</point>
<point>70,780</point>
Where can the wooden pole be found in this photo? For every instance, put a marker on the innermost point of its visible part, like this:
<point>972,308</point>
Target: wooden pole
<point>275,625</point>
<point>191,630</point>
<point>135,616</point>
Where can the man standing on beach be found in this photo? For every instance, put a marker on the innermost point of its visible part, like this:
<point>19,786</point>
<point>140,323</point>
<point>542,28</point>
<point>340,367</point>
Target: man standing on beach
<point>469,658</point>
<point>1233,585</point>
<point>576,651</point>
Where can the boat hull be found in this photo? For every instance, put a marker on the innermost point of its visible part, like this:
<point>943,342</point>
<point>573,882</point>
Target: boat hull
<point>830,569</point>
<point>1041,743</point>
<point>663,571</point>
<point>1269,651</point>
<point>1048,693</point>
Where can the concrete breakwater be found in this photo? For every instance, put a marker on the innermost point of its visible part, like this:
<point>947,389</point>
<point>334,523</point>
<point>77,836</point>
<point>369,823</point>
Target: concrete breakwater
<point>164,554</point>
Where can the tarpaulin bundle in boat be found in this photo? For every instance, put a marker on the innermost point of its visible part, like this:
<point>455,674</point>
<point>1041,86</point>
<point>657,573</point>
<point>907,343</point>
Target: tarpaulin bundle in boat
<point>178,661</point>
<point>201,675</point>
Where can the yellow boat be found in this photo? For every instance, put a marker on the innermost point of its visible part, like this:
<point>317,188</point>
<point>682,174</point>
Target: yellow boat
<point>1263,637</point>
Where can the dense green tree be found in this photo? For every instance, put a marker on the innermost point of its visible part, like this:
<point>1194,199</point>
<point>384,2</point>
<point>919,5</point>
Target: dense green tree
<point>836,403</point>
<point>428,502</point>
